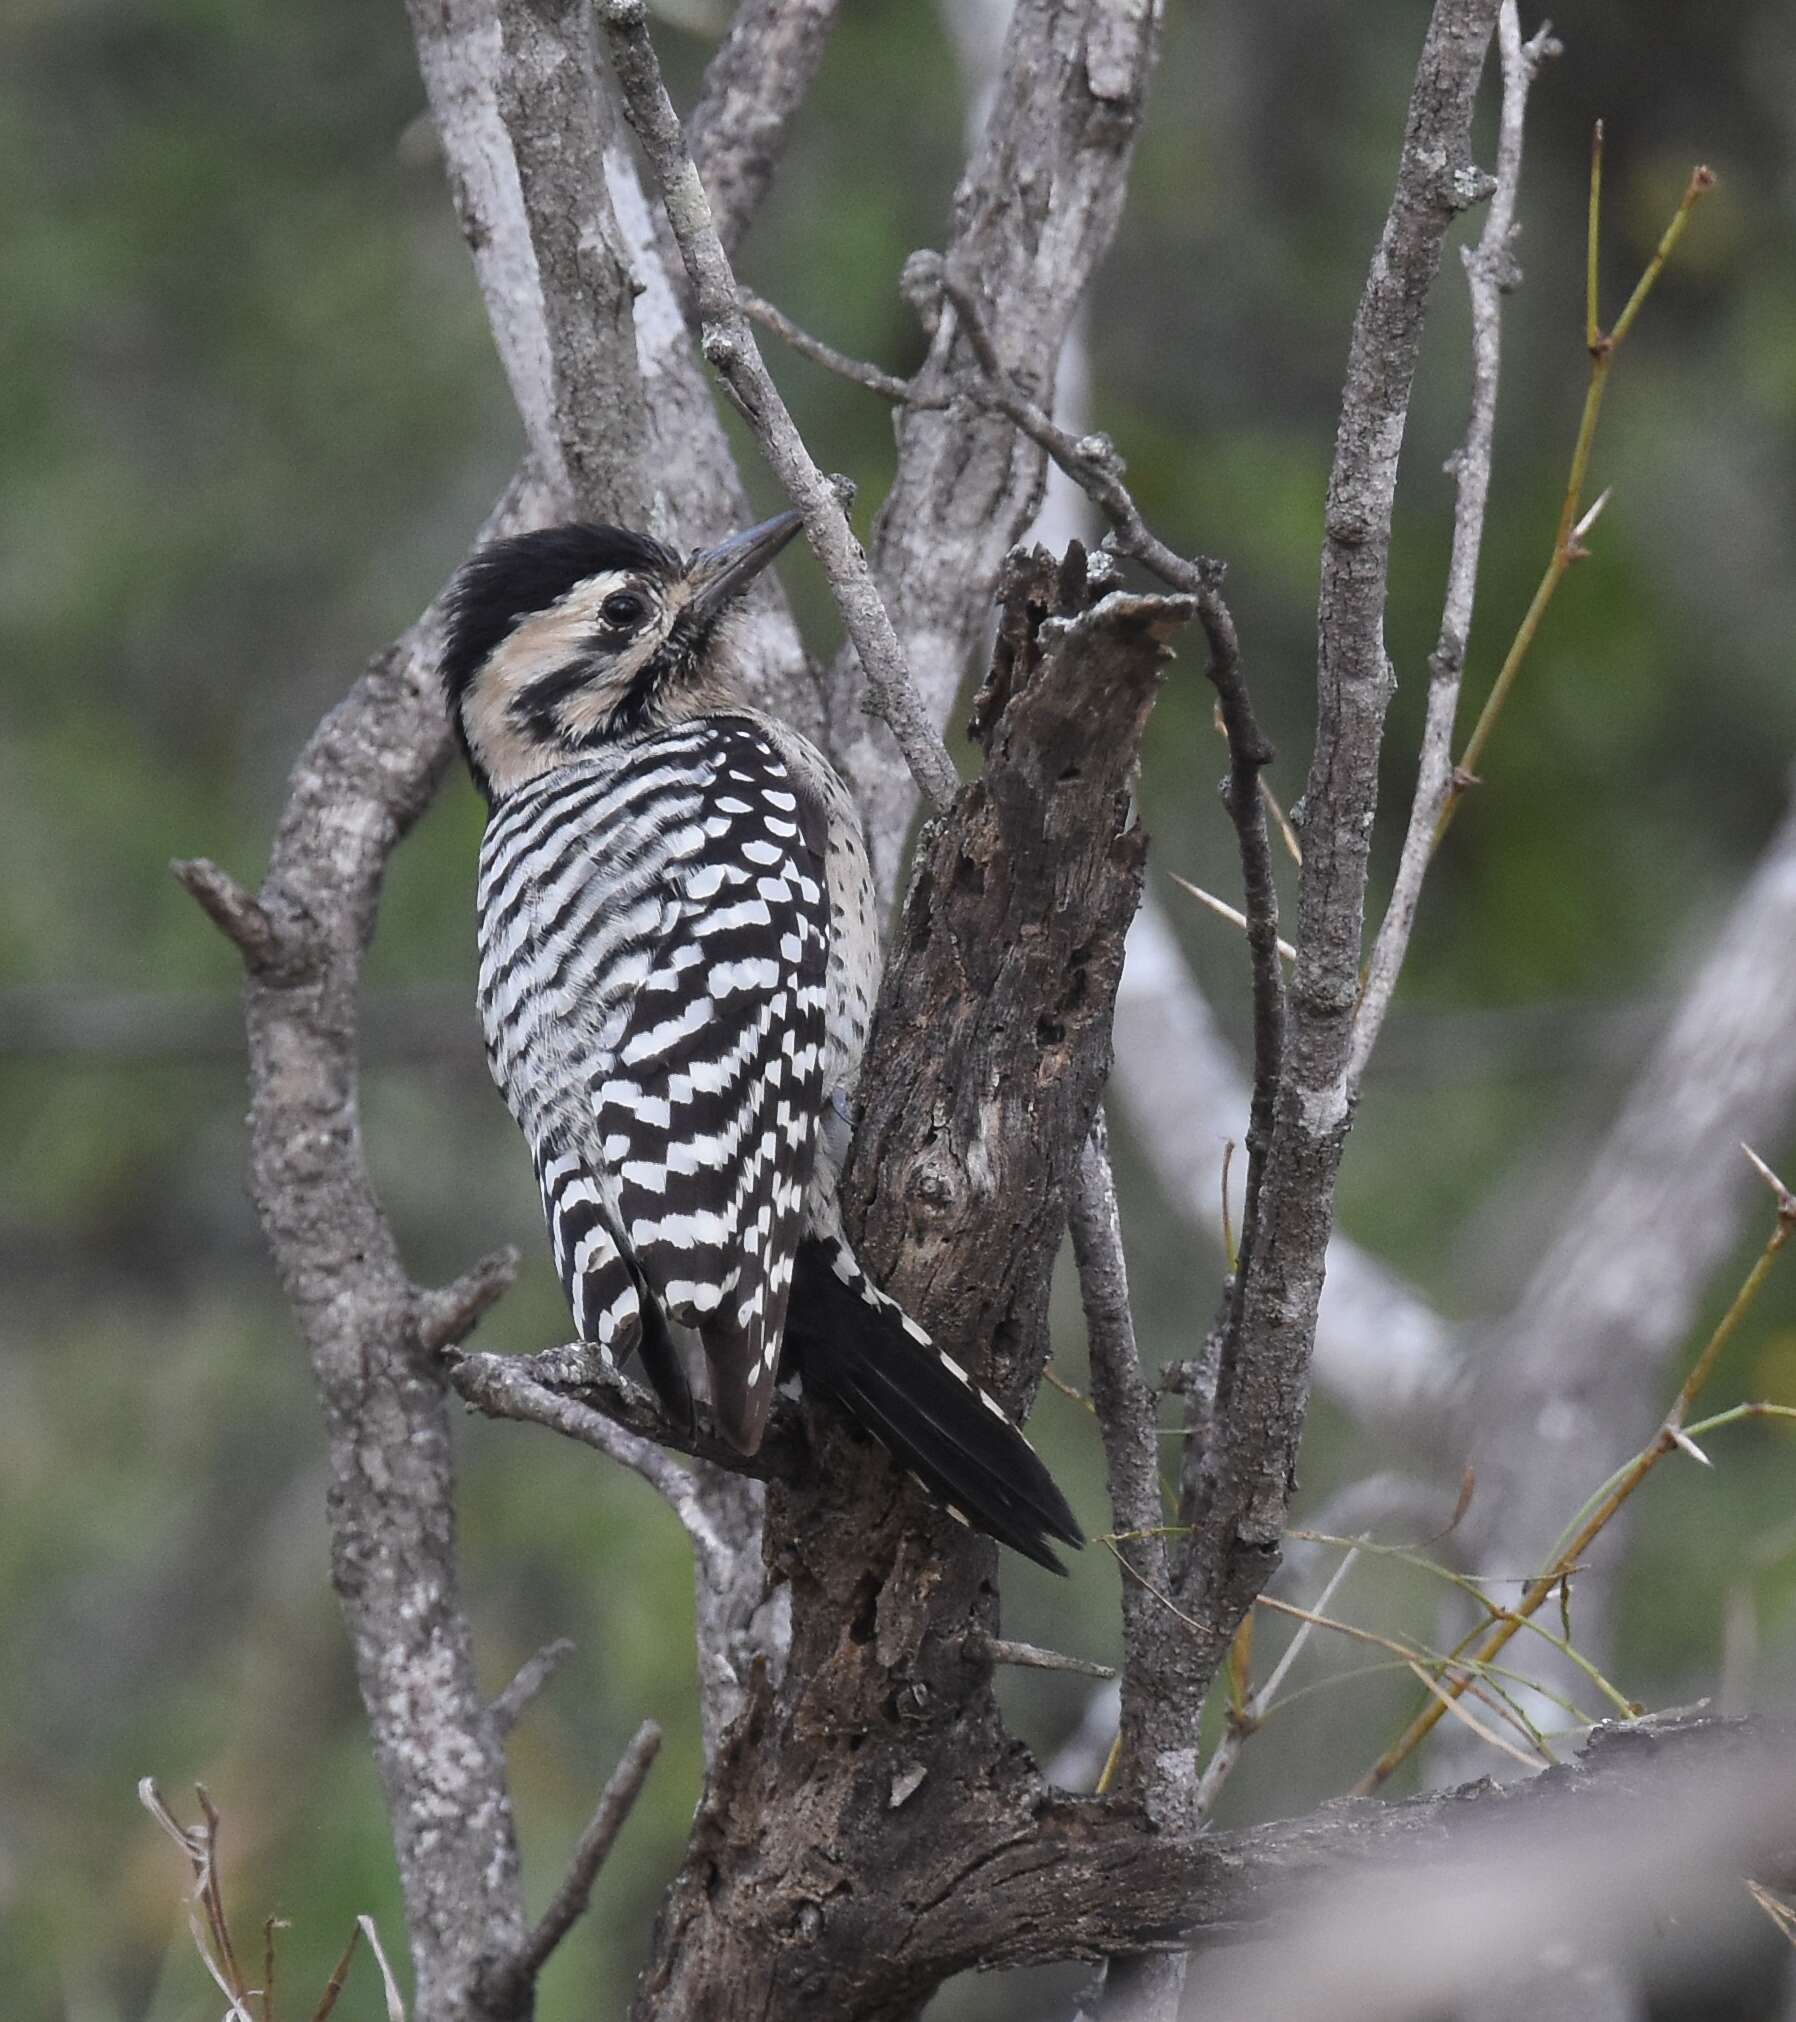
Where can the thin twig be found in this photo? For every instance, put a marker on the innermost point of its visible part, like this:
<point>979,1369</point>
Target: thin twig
<point>269,1926</point>
<point>855,370</point>
<point>1491,273</point>
<point>327,2001</point>
<point>1119,1393</point>
<point>729,345</point>
<point>1152,1710</point>
<point>211,1891</point>
<point>1092,463</point>
<point>1032,1657</point>
<point>1568,546</point>
<point>509,1707</point>
<point>501,1386</point>
<point>233,909</point>
<point>1594,1519</point>
<point>450,1315</point>
<point>596,1842</point>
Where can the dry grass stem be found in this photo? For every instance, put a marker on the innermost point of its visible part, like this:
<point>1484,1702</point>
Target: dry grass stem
<point>1249,1710</point>
<point>389,1986</point>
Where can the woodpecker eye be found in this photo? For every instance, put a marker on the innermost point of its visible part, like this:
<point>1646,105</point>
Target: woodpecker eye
<point>623,608</point>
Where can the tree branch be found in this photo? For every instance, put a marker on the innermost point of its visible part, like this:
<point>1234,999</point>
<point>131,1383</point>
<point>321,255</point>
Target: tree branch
<point>512,1703</point>
<point>1157,1762</point>
<point>979,1088</point>
<point>570,1901</point>
<point>1237,1499</point>
<point>753,86</point>
<point>1491,273</point>
<point>361,781</point>
<point>1034,214</point>
<point>556,122</point>
<point>1644,1802</point>
<point>730,346</point>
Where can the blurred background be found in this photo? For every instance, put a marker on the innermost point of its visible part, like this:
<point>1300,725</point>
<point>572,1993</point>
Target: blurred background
<point>250,417</point>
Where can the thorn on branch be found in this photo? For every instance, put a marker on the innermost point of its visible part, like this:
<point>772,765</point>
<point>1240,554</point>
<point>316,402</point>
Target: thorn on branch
<point>450,1315</point>
<point>234,910</point>
<point>1786,1201</point>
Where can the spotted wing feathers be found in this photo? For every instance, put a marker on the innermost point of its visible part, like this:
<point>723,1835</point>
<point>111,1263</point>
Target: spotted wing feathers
<point>709,1114</point>
<point>854,1344</point>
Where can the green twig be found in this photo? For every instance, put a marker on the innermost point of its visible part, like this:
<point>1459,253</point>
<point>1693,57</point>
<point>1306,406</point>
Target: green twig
<point>1574,523</point>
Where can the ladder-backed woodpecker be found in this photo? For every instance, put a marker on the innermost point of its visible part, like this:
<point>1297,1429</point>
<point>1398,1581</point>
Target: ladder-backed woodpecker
<point>679,952</point>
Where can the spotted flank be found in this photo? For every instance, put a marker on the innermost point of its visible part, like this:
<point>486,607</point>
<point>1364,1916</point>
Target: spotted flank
<point>654,938</point>
<point>854,1344</point>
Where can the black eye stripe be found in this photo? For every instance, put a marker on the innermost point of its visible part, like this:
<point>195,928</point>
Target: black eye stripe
<point>534,705</point>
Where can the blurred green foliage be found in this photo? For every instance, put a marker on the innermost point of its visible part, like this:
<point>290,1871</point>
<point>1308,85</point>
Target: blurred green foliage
<point>250,418</point>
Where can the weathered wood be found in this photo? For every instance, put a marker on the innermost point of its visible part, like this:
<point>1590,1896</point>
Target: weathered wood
<point>843,1792</point>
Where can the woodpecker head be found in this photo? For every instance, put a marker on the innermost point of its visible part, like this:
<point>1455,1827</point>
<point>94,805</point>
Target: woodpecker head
<point>575,636</point>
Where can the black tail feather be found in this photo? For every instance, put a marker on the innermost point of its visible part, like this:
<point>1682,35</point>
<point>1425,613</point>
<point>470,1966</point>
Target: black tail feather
<point>853,1345</point>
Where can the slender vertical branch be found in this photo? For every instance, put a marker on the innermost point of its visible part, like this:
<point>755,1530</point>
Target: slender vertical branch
<point>753,86</point>
<point>1491,272</point>
<point>1033,216</point>
<point>1238,1498</point>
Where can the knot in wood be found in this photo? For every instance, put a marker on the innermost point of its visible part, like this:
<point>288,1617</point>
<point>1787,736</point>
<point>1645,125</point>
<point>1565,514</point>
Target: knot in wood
<point>1466,185</point>
<point>937,1185</point>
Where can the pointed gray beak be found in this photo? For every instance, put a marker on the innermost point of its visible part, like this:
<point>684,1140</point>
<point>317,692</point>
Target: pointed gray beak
<point>723,572</point>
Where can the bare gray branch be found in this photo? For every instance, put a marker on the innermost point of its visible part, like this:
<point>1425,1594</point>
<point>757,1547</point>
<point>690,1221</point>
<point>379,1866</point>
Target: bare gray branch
<point>730,346</point>
<point>1491,272</point>
<point>1236,1503</point>
<point>614,1808</point>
